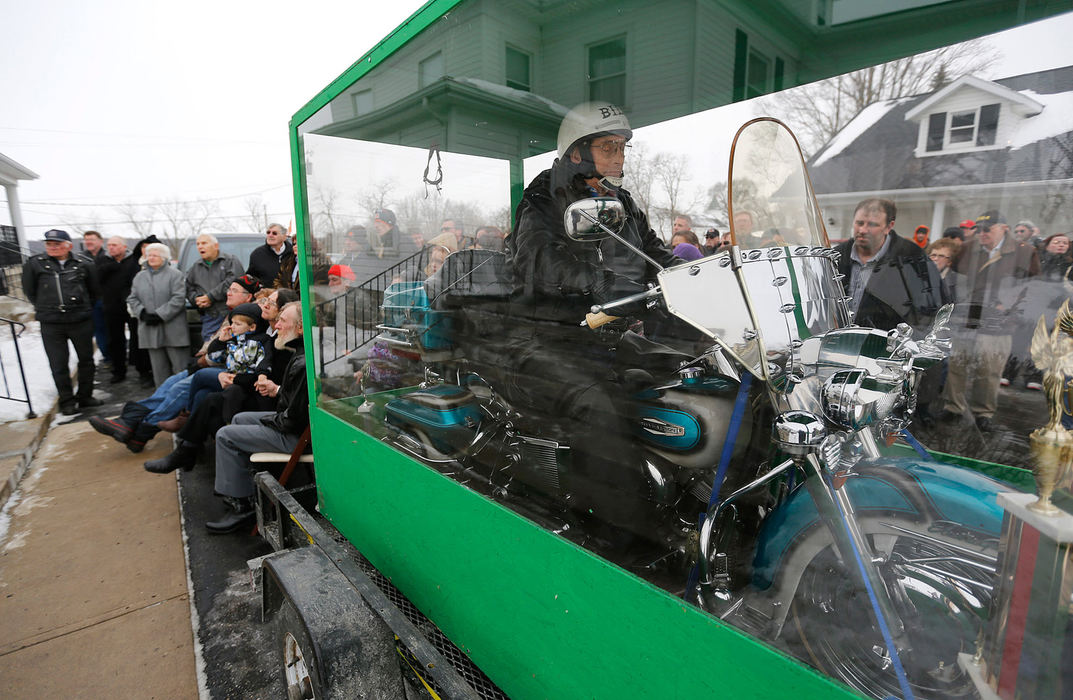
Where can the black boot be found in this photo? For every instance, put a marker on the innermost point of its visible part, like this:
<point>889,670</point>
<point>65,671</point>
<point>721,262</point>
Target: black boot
<point>240,514</point>
<point>182,457</point>
<point>115,428</point>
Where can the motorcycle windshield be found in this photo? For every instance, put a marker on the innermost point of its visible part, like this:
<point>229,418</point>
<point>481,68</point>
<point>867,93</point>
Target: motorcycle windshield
<point>770,197</point>
<point>772,289</point>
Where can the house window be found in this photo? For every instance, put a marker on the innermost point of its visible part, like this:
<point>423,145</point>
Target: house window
<point>607,71</point>
<point>963,129</point>
<point>430,70</point>
<point>757,72</point>
<point>363,102</point>
<point>753,74</point>
<point>518,75</point>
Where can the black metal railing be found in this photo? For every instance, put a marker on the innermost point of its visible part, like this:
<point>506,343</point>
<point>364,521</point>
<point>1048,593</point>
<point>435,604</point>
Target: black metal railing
<point>11,259</point>
<point>7,368</point>
<point>349,321</point>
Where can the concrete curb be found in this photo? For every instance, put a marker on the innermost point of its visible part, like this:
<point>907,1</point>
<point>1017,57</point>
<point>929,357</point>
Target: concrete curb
<point>24,456</point>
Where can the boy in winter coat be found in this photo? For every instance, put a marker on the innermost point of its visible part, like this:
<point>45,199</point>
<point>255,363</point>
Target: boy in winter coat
<point>245,352</point>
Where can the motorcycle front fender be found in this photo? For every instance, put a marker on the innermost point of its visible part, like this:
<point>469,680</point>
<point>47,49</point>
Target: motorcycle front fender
<point>922,494</point>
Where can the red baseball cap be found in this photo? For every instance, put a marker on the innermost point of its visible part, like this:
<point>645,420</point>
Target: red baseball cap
<point>967,223</point>
<point>343,271</point>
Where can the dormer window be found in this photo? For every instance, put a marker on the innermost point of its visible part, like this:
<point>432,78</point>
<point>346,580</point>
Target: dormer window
<point>962,129</point>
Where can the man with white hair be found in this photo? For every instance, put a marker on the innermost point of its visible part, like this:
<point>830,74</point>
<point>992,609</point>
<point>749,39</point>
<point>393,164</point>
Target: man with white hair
<point>262,431</point>
<point>207,281</point>
<point>63,289</point>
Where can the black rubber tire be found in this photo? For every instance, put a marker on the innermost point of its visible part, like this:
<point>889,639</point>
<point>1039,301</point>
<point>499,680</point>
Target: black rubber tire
<point>297,662</point>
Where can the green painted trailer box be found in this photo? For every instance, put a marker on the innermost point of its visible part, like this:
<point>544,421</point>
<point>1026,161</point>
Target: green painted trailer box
<point>483,85</point>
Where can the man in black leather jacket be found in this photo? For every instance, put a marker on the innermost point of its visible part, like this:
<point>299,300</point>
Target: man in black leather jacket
<point>262,431</point>
<point>63,288</point>
<point>570,374</point>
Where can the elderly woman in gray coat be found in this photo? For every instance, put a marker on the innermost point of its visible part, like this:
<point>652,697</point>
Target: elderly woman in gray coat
<point>158,300</point>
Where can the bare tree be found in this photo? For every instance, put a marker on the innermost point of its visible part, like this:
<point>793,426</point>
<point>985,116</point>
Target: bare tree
<point>378,196</point>
<point>184,219</point>
<point>640,177</point>
<point>140,217</point>
<point>818,111</point>
<point>256,214</point>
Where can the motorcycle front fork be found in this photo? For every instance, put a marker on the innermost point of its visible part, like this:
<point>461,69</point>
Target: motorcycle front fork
<point>838,514</point>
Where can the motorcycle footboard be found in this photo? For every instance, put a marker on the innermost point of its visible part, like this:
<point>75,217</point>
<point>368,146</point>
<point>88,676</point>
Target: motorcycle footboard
<point>424,650</point>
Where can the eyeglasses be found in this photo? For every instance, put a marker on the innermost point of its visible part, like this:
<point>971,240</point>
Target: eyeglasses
<point>933,256</point>
<point>273,232</point>
<point>610,148</point>
<point>267,303</point>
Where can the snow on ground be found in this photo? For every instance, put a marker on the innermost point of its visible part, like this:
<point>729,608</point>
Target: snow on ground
<point>38,376</point>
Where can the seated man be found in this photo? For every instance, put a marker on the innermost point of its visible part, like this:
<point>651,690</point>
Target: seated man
<point>262,431</point>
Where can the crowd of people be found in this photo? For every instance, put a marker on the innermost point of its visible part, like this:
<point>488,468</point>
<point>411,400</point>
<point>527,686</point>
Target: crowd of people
<point>250,366</point>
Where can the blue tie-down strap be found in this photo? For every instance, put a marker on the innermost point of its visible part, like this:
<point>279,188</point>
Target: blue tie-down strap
<point>724,463</point>
<point>915,444</point>
<point>884,629</point>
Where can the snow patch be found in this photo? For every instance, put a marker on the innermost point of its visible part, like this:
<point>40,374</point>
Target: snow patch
<point>1053,121</point>
<point>42,389</point>
<point>864,121</point>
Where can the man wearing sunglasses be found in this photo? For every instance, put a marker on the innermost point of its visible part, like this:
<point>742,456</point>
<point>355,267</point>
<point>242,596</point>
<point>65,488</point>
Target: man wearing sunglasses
<point>559,369</point>
<point>994,265</point>
<point>266,260</point>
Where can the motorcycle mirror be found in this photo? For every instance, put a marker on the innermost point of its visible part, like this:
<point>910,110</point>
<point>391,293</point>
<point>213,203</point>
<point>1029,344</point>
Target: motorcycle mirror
<point>587,219</point>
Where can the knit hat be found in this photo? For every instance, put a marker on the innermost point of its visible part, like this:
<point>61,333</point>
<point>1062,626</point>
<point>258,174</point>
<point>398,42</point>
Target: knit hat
<point>688,251</point>
<point>249,310</point>
<point>250,283</point>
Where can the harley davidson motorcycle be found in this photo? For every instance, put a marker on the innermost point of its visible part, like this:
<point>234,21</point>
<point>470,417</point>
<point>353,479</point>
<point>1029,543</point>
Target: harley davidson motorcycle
<point>875,569</point>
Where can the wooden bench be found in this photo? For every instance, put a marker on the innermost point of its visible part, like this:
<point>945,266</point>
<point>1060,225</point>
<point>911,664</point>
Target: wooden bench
<point>293,458</point>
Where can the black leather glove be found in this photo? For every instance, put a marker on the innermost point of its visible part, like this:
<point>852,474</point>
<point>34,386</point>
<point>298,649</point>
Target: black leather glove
<point>150,318</point>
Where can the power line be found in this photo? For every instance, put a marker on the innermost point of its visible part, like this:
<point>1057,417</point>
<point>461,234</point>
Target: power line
<point>160,137</point>
<point>135,222</point>
<point>146,204</point>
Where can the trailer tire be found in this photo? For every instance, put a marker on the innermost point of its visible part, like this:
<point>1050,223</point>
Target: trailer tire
<point>300,676</point>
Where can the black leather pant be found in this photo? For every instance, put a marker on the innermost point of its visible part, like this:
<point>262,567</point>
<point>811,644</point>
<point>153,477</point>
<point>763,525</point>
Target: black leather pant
<point>54,337</point>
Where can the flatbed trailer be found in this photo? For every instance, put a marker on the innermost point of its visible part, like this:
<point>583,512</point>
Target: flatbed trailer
<point>408,581</point>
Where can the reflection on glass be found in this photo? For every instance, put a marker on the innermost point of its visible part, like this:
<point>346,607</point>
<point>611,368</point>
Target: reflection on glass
<point>435,347</point>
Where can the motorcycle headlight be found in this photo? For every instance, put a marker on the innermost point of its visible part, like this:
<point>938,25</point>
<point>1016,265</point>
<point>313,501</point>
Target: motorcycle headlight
<point>855,399</point>
<point>799,432</point>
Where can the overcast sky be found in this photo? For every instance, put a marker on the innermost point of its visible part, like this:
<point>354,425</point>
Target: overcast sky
<point>116,101</point>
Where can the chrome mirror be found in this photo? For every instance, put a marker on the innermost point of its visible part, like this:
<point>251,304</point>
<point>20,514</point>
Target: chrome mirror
<point>594,218</point>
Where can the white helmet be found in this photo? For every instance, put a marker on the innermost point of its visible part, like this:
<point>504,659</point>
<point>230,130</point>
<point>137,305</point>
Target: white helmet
<point>589,120</point>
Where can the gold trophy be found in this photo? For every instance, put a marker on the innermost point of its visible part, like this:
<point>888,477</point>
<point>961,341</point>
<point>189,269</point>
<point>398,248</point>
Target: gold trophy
<point>1052,445</point>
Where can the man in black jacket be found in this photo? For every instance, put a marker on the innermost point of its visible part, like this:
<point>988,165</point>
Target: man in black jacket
<point>558,369</point>
<point>888,278</point>
<point>266,260</point>
<point>116,272</point>
<point>63,288</point>
<point>262,431</point>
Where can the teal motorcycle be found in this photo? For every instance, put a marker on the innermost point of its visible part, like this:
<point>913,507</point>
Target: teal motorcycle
<point>766,480</point>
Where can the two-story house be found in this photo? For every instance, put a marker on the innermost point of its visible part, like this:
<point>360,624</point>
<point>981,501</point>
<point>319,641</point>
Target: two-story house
<point>953,153</point>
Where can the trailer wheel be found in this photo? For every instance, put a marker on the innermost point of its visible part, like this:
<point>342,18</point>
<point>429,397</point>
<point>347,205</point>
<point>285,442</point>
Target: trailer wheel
<point>299,665</point>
